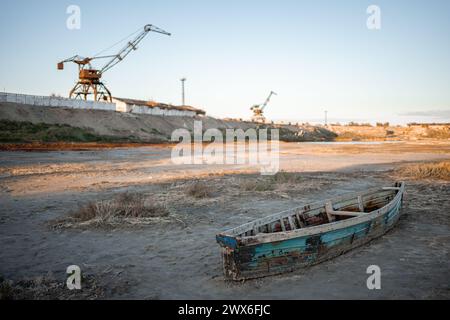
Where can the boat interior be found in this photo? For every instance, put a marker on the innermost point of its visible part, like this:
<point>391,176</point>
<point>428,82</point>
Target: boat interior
<point>342,208</point>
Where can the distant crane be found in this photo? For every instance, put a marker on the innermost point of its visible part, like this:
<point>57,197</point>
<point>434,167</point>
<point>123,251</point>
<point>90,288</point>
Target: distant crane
<point>258,109</point>
<point>89,78</point>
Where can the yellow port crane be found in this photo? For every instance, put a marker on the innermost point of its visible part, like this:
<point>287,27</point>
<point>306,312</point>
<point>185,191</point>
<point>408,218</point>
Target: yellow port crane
<point>258,109</point>
<point>89,78</point>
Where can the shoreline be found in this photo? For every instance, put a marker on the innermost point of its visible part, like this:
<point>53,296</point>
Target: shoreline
<point>89,146</point>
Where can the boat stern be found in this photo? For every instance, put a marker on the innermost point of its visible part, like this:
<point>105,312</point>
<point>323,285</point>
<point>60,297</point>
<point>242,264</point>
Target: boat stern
<point>229,250</point>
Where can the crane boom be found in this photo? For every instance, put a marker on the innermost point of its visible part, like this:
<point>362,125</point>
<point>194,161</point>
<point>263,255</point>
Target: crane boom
<point>131,46</point>
<point>264,105</point>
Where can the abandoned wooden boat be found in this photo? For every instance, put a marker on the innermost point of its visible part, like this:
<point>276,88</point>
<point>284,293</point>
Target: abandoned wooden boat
<point>309,234</point>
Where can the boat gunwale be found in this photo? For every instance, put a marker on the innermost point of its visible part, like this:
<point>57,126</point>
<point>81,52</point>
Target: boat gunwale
<point>307,231</point>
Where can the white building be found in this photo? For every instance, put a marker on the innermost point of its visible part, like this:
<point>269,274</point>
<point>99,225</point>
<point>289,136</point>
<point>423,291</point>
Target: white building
<point>119,105</point>
<point>155,108</point>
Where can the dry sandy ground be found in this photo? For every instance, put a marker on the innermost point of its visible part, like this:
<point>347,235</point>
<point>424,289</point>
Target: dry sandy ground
<point>180,259</point>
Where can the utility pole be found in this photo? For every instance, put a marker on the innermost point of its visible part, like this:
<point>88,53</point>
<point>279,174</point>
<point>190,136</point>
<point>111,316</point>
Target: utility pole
<point>326,118</point>
<point>182,91</point>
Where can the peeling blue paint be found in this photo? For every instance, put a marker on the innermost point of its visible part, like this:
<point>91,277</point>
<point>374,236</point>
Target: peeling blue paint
<point>230,242</point>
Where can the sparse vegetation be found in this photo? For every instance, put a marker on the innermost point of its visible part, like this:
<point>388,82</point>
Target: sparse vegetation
<point>270,183</point>
<point>356,124</point>
<point>259,185</point>
<point>353,136</point>
<point>198,189</point>
<point>437,170</point>
<point>152,131</point>
<point>15,131</point>
<point>287,177</point>
<point>126,208</point>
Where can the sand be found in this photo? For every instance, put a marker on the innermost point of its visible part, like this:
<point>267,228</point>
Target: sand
<point>180,259</point>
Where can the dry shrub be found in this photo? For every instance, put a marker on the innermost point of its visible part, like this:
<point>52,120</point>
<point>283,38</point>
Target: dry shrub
<point>259,185</point>
<point>270,183</point>
<point>198,190</point>
<point>125,207</point>
<point>48,288</point>
<point>437,170</point>
<point>286,177</point>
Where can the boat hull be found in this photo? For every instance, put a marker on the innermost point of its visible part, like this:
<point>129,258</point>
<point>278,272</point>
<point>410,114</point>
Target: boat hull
<point>285,252</point>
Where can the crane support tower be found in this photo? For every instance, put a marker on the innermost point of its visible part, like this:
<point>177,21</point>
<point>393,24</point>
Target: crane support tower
<point>258,110</point>
<point>89,82</point>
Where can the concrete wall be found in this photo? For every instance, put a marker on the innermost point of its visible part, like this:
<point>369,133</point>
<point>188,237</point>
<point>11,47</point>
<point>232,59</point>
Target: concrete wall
<point>93,105</point>
<point>124,107</point>
<point>55,102</point>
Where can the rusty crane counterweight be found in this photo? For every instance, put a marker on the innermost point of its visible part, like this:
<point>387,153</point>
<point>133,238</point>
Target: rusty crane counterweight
<point>89,78</point>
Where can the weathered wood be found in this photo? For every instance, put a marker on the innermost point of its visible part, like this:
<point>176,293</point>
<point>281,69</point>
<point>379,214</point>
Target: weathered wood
<point>300,222</point>
<point>283,227</point>
<point>250,254</point>
<point>360,203</point>
<point>343,201</point>
<point>291,222</point>
<point>346,213</point>
<point>329,210</point>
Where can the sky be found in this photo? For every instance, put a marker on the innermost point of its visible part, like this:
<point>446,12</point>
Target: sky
<point>316,55</point>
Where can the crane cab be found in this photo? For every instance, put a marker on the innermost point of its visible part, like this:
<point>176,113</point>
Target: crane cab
<point>89,75</point>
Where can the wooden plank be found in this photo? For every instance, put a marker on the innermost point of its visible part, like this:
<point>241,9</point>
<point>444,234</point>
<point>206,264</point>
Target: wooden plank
<point>360,203</point>
<point>292,223</point>
<point>300,222</point>
<point>347,213</point>
<point>283,227</point>
<point>331,212</point>
<point>329,209</point>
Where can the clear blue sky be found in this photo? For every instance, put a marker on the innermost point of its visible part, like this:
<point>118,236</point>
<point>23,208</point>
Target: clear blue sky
<point>316,55</point>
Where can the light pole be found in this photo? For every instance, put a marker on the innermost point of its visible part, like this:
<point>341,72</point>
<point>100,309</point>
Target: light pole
<point>182,90</point>
<point>326,118</point>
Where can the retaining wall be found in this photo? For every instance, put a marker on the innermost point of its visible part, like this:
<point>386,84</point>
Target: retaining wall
<point>58,102</point>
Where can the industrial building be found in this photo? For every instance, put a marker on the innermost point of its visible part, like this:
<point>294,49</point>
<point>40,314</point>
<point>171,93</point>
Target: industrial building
<point>155,108</point>
<point>118,104</point>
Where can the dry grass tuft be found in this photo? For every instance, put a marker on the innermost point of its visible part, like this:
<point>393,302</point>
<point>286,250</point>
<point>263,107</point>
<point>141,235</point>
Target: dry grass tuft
<point>126,208</point>
<point>198,190</point>
<point>259,185</point>
<point>270,183</point>
<point>435,170</point>
<point>48,288</point>
<point>287,177</point>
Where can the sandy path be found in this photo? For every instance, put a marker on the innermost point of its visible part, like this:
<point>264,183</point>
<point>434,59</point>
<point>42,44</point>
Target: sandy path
<point>182,261</point>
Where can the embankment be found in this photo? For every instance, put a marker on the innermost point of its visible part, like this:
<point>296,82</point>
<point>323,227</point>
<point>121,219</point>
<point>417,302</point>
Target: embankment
<point>110,125</point>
